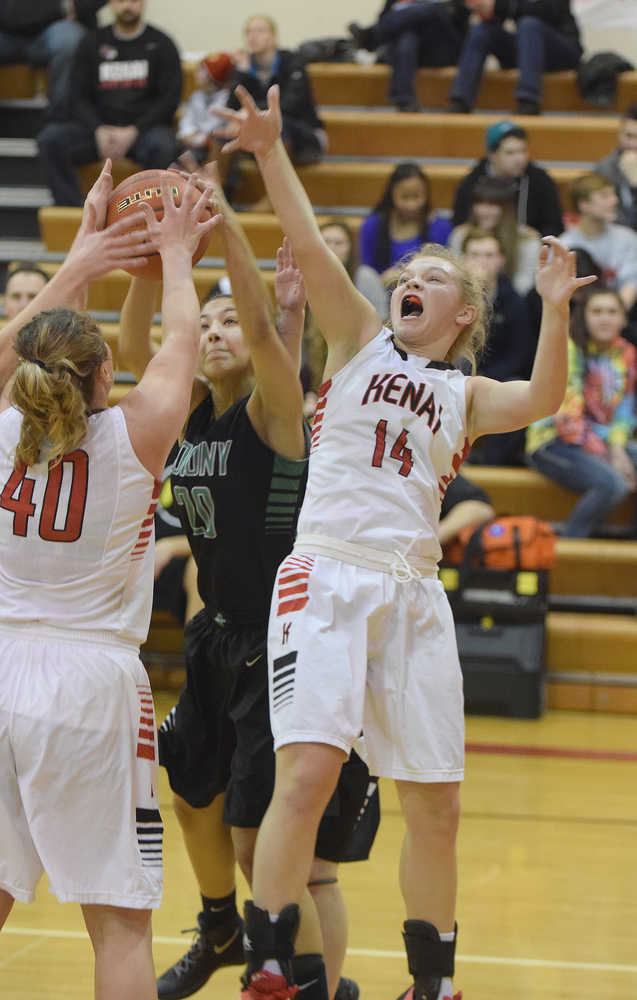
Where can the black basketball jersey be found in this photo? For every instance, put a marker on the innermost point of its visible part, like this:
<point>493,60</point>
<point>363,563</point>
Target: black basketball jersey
<point>167,520</point>
<point>238,502</point>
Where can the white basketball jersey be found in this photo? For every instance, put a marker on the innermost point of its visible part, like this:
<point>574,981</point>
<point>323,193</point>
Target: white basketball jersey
<point>76,539</point>
<point>388,437</point>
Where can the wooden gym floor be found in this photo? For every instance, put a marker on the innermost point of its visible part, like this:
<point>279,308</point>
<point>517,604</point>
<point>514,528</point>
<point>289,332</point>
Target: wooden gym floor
<point>548,879</point>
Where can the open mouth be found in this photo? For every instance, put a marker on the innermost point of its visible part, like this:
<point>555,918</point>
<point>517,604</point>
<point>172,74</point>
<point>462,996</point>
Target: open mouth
<point>411,306</point>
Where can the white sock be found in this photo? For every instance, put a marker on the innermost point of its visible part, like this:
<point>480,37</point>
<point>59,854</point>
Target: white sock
<point>446,986</point>
<point>271,964</point>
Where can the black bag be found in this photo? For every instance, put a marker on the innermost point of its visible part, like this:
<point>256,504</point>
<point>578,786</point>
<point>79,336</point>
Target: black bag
<point>327,50</point>
<point>597,77</point>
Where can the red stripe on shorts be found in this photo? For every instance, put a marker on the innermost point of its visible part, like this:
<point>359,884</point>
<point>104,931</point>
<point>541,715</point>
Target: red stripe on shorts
<point>287,606</point>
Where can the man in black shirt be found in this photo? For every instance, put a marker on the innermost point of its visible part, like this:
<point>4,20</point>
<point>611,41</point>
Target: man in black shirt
<point>46,33</point>
<point>126,87</point>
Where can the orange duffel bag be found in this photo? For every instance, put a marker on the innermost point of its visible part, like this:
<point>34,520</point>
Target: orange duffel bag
<point>522,542</point>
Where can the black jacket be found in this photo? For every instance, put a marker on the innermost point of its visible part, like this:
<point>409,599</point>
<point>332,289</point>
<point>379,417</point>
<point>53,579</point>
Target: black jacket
<point>297,100</point>
<point>511,342</point>
<point>555,12</point>
<point>30,17</point>
<point>538,198</point>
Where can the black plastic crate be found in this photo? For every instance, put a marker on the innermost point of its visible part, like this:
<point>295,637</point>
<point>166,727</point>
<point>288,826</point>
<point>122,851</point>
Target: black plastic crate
<point>503,667</point>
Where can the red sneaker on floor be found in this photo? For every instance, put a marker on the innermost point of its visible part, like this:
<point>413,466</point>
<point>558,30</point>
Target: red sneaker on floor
<point>268,986</point>
<point>409,995</point>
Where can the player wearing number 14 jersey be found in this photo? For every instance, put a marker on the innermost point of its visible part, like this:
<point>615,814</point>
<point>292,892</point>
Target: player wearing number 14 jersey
<point>360,635</point>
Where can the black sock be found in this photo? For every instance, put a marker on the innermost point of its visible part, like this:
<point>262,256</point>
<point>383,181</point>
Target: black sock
<point>309,974</point>
<point>220,912</point>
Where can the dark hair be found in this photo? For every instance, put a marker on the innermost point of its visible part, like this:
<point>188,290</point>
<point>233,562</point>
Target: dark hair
<point>578,329</point>
<point>26,267</point>
<point>382,250</point>
<point>630,112</point>
<point>494,191</point>
<point>351,263</point>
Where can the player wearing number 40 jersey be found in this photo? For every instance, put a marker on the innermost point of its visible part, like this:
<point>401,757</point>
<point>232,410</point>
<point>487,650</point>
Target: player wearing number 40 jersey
<point>360,635</point>
<point>78,487</point>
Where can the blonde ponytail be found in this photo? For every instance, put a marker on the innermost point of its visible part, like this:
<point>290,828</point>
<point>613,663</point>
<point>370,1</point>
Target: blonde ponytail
<point>59,353</point>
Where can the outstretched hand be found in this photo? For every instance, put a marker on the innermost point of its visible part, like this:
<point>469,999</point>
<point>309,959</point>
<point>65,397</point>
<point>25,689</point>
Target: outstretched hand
<point>289,286</point>
<point>185,224</point>
<point>249,128</point>
<point>95,250</point>
<point>556,278</point>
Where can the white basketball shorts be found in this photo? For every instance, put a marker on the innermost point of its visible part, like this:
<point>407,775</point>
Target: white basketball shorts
<point>353,650</point>
<point>78,769</point>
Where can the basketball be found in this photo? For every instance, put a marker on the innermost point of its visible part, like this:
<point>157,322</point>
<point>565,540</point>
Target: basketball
<point>146,186</point>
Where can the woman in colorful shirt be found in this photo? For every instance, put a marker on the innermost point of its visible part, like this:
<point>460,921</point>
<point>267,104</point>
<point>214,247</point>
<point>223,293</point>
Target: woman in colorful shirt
<point>588,445</point>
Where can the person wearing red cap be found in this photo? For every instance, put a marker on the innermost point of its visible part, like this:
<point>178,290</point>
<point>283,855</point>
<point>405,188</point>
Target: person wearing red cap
<point>198,119</point>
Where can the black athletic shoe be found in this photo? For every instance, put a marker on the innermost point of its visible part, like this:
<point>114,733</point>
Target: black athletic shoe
<point>458,107</point>
<point>363,37</point>
<point>210,950</point>
<point>527,108</point>
<point>347,989</point>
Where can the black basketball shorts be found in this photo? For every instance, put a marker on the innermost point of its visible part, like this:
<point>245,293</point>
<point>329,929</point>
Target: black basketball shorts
<point>217,739</point>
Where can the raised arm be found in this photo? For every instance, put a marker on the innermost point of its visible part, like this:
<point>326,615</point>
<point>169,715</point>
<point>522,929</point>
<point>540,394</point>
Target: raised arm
<point>496,407</point>
<point>95,251</point>
<point>346,318</point>
<point>276,404</point>
<point>136,349</point>
<point>157,407</point>
<point>289,289</point>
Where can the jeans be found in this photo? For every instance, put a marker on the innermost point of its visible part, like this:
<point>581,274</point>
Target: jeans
<point>601,486</point>
<point>53,48</point>
<point>65,145</point>
<point>420,34</point>
<point>535,47</point>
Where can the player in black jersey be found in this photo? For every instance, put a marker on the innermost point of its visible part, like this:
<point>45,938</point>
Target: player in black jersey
<point>238,477</point>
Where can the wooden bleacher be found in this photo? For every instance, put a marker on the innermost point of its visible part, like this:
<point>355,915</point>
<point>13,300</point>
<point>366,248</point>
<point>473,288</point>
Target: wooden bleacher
<point>336,84</point>
<point>592,657</point>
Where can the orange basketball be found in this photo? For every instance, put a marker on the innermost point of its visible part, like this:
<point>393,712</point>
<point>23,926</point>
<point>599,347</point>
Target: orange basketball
<point>146,186</point>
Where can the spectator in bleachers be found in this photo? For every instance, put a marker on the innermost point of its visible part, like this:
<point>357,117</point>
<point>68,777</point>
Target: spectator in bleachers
<point>126,87</point>
<point>508,157</point>
<point>401,222</point>
<point>260,65</point>
<point>588,446</point>
<point>464,504</point>
<point>413,33</point>
<point>198,117</point>
<point>614,247</point>
<point>341,240</point>
<point>24,281</point>
<point>511,342</point>
<point>546,38</point>
<point>46,33</point>
<point>620,168</point>
<point>493,201</point>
